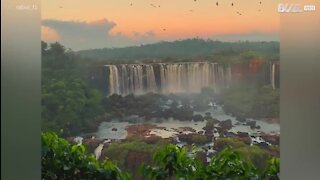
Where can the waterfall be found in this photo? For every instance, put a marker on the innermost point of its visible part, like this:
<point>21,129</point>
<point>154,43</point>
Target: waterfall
<point>151,80</point>
<point>137,79</point>
<point>273,69</point>
<point>98,151</point>
<point>189,77</point>
<point>114,80</point>
<point>125,83</point>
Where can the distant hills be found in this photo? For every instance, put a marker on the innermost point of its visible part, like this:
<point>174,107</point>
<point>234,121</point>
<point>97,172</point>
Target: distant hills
<point>181,49</point>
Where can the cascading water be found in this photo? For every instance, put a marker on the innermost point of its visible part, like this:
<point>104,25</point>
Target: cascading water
<point>272,74</point>
<point>114,80</point>
<point>173,77</point>
<point>151,80</point>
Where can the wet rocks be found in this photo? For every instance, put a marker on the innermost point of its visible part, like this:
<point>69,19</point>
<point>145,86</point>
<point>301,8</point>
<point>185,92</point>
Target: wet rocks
<point>188,129</point>
<point>252,124</point>
<point>241,118</point>
<point>242,134</point>
<point>230,134</point>
<point>185,138</point>
<point>262,144</point>
<point>193,138</point>
<point>91,142</point>
<point>197,118</point>
<point>271,138</point>
<point>152,139</point>
<point>141,130</point>
<point>226,124</point>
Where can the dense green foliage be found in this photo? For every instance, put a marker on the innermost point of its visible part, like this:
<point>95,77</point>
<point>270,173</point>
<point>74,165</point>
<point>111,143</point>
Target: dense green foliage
<point>61,160</point>
<point>174,162</point>
<point>119,150</point>
<point>253,153</point>
<point>228,164</point>
<point>242,101</point>
<point>272,171</point>
<point>184,50</point>
<point>148,105</point>
<point>250,101</point>
<point>67,102</point>
<point>199,139</point>
<point>223,142</point>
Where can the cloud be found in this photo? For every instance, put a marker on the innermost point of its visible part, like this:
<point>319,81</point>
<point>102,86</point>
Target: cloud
<point>49,35</point>
<point>252,36</point>
<point>144,38</point>
<point>80,35</point>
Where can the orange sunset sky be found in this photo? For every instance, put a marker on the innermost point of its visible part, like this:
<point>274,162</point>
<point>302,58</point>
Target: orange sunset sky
<point>118,23</point>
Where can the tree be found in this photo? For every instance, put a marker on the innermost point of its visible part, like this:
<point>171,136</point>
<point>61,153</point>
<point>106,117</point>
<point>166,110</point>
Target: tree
<point>61,160</point>
<point>229,165</point>
<point>172,162</point>
<point>178,163</point>
<point>67,102</point>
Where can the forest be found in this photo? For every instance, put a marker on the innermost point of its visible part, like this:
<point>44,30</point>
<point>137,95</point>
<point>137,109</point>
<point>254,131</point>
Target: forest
<point>70,103</point>
<point>73,106</point>
<point>186,50</point>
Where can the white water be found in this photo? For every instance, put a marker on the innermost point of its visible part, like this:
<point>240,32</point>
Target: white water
<point>98,151</point>
<point>105,130</point>
<point>78,140</point>
<point>172,126</point>
<point>269,128</point>
<point>173,77</point>
<point>273,69</point>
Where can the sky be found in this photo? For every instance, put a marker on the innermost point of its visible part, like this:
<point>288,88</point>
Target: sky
<point>89,24</point>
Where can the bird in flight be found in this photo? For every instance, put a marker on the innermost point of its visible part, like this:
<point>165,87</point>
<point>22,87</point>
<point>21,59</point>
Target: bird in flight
<point>231,4</point>
<point>153,5</point>
<point>239,13</point>
<point>217,3</point>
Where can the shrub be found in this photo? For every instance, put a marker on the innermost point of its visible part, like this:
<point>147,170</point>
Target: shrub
<point>199,139</point>
<point>61,160</point>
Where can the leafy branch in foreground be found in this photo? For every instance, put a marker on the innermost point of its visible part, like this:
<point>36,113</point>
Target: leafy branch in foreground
<point>172,161</point>
<point>179,163</point>
<point>229,165</point>
<point>273,169</point>
<point>61,160</point>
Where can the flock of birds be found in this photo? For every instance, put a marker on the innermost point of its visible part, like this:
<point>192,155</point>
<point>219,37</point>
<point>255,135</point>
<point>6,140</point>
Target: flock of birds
<point>191,10</point>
